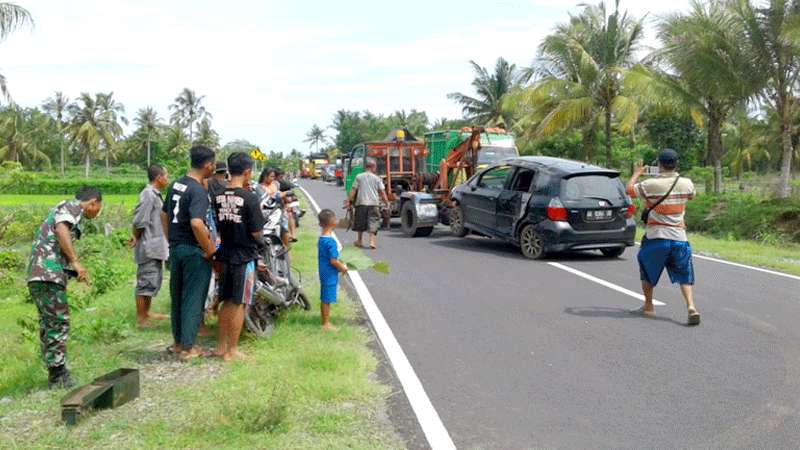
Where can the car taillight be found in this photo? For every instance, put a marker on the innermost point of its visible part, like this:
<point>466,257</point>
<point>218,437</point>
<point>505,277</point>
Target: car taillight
<point>630,211</point>
<point>556,211</point>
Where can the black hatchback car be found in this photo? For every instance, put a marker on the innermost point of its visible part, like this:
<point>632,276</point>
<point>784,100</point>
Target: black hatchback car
<point>546,205</point>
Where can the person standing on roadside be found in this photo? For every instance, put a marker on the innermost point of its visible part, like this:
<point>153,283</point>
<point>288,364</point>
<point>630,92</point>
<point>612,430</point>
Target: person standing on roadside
<point>52,254</point>
<point>149,244</point>
<point>368,192</point>
<point>665,244</point>
<point>240,221</point>
<point>184,218</point>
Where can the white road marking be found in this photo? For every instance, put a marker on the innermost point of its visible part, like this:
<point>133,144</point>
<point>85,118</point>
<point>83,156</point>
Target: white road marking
<point>428,418</point>
<point>602,282</point>
<point>745,266</point>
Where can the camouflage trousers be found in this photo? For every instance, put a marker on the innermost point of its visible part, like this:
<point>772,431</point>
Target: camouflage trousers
<point>51,300</point>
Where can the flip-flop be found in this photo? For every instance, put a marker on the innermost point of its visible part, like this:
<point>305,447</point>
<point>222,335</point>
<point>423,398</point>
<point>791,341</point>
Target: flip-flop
<point>170,351</point>
<point>373,247</point>
<point>641,312</point>
<point>356,244</point>
<point>694,318</point>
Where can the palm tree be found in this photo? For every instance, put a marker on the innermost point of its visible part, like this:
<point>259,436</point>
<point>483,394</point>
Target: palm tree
<point>56,107</point>
<point>187,109</point>
<point>315,137</point>
<point>579,78</point>
<point>148,122</point>
<point>177,144</point>
<point>11,18</point>
<point>206,134</point>
<point>487,107</point>
<point>111,115</point>
<point>708,72</point>
<point>95,122</point>
<point>772,33</point>
<point>15,143</point>
<point>747,141</point>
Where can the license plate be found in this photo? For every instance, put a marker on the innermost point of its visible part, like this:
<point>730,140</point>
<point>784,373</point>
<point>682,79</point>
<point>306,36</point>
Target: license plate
<point>599,215</point>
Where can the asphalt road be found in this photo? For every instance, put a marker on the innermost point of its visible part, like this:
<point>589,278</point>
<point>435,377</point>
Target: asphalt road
<point>521,354</point>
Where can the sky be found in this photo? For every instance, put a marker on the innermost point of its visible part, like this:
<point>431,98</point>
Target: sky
<point>269,70</point>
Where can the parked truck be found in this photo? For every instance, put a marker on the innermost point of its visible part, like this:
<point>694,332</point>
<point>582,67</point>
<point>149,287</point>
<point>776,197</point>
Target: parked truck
<point>400,159</point>
<point>453,157</point>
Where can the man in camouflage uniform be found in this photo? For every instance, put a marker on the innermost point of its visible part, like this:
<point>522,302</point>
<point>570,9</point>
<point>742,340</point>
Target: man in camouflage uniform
<point>51,255</point>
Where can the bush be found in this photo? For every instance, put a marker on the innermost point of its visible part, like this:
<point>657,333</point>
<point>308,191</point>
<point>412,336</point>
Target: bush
<point>741,216</point>
<point>40,184</point>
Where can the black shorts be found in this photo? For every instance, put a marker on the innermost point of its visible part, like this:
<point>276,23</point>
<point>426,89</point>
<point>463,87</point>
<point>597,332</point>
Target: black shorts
<point>238,282</point>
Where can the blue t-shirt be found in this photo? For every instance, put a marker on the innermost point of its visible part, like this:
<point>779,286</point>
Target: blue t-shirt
<point>327,249</point>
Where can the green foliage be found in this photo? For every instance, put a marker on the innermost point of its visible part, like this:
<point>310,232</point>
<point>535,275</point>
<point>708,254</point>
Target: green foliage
<point>10,260</point>
<point>106,329</point>
<point>487,107</point>
<point>355,259</point>
<point>739,216</point>
<point>28,183</point>
<point>669,130</point>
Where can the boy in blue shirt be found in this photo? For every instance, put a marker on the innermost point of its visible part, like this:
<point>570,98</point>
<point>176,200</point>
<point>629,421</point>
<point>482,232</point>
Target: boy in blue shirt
<point>329,265</point>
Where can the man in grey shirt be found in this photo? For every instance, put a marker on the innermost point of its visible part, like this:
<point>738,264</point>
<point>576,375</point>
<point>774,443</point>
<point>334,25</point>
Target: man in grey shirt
<point>368,192</point>
<point>149,244</point>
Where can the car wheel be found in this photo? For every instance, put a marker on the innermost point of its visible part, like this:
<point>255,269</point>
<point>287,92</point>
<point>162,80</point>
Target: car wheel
<point>615,252</point>
<point>457,222</point>
<point>531,243</point>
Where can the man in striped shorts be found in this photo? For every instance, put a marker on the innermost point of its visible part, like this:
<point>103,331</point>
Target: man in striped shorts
<point>665,244</point>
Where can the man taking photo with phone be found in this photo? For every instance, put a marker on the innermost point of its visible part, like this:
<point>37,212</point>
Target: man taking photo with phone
<point>665,244</point>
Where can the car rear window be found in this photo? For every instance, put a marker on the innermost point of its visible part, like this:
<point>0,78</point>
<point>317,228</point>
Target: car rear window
<point>592,186</point>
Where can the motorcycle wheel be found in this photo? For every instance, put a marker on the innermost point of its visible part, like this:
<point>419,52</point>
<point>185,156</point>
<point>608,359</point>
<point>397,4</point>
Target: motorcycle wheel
<point>258,320</point>
<point>302,300</point>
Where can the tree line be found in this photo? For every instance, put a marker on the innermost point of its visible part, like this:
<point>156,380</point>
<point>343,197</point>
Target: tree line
<point>722,88</point>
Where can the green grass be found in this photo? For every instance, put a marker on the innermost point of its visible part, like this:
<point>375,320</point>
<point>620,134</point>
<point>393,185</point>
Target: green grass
<point>128,200</point>
<point>301,388</point>
<point>784,257</point>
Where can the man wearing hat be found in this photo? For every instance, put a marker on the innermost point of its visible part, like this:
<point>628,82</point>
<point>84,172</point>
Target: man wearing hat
<point>665,244</point>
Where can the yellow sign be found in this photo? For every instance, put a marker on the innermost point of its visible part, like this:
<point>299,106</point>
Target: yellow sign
<point>257,155</point>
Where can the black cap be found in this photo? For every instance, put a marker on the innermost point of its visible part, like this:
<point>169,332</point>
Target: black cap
<point>668,156</point>
<point>222,167</point>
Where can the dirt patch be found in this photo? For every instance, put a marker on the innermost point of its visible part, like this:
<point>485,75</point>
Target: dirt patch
<point>161,374</point>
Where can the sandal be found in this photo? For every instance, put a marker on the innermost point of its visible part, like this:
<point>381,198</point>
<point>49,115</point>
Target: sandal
<point>356,244</point>
<point>694,318</point>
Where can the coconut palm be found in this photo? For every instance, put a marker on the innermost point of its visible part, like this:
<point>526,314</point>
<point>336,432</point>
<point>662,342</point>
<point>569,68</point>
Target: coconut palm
<point>188,109</point>
<point>707,71</point>
<point>206,134</point>
<point>315,137</point>
<point>11,18</point>
<point>112,114</point>
<point>95,123</point>
<point>486,108</point>
<point>15,143</point>
<point>579,77</point>
<point>56,107</point>
<point>147,121</point>
<point>772,33</point>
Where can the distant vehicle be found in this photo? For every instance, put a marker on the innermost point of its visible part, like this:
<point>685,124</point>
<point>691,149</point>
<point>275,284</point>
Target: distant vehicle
<point>546,205</point>
<point>328,173</point>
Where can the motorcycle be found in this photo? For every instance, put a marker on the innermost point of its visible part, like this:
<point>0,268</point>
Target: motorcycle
<point>277,286</point>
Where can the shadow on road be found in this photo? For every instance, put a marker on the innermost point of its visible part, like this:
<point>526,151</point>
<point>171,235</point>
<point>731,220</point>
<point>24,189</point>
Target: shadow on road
<point>614,313</point>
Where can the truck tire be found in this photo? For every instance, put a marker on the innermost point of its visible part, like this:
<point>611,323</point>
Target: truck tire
<point>457,222</point>
<point>408,222</point>
<point>531,243</point>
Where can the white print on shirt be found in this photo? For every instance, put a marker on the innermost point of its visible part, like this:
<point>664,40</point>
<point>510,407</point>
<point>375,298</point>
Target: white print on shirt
<point>230,207</point>
<point>180,187</point>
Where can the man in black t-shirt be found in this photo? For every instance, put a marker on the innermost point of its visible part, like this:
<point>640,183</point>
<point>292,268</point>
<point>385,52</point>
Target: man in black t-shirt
<point>191,249</point>
<point>240,222</point>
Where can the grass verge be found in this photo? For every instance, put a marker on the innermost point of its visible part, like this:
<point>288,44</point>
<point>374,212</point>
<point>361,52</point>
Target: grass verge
<point>302,388</point>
